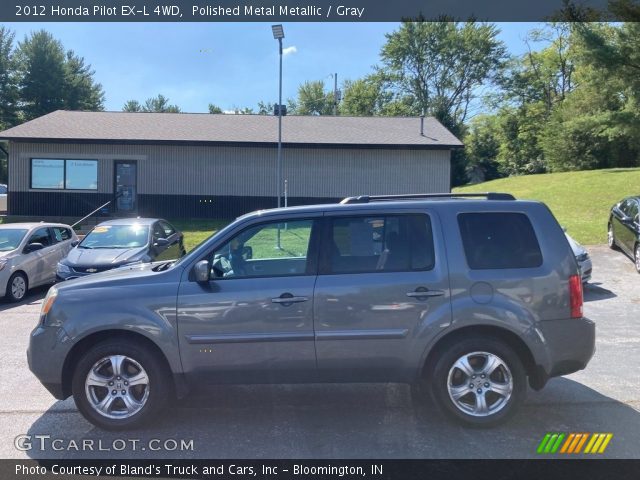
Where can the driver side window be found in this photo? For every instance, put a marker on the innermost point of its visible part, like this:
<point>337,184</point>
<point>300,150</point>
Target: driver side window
<point>266,250</point>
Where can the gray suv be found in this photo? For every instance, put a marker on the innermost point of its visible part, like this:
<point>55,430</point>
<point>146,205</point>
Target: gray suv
<point>468,298</point>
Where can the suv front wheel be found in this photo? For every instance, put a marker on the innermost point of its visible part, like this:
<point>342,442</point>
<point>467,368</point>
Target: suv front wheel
<point>119,385</point>
<point>479,381</point>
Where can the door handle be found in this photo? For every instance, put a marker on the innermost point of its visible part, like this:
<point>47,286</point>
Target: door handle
<point>288,299</point>
<point>422,292</point>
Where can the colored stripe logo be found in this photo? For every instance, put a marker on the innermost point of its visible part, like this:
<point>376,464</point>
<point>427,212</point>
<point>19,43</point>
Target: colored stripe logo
<point>574,443</point>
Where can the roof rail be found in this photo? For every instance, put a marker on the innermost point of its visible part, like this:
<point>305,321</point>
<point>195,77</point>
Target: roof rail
<point>417,196</point>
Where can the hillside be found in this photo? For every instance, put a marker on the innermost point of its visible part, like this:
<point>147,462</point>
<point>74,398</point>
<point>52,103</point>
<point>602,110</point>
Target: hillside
<point>580,200</point>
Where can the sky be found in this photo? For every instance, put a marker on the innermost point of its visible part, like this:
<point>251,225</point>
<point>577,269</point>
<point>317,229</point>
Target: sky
<point>231,65</point>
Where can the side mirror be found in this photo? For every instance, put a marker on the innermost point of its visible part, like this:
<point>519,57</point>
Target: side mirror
<point>201,271</point>
<point>33,247</point>
<point>161,242</point>
<point>247,253</point>
<point>75,243</point>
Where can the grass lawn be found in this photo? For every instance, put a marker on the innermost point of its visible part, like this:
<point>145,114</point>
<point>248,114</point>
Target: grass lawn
<point>196,230</point>
<point>581,201</point>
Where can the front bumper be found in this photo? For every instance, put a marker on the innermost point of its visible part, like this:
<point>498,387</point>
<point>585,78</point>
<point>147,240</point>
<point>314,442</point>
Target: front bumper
<point>570,344</point>
<point>47,351</point>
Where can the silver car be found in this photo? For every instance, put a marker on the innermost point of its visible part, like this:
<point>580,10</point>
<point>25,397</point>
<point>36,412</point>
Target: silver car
<point>582,257</point>
<point>29,253</point>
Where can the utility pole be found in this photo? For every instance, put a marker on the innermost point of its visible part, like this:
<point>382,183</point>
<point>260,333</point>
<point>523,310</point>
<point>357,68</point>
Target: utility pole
<point>335,94</point>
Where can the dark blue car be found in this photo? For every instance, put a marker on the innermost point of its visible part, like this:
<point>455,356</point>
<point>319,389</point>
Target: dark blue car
<point>117,243</point>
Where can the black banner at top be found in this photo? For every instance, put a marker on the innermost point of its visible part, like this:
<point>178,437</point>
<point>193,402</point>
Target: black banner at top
<point>307,10</point>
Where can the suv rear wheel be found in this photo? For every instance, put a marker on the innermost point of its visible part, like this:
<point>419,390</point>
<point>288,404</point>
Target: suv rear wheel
<point>479,381</point>
<point>119,385</point>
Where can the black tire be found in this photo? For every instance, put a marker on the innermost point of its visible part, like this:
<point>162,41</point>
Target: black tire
<point>9,293</point>
<point>611,239</point>
<point>445,364</point>
<point>158,386</point>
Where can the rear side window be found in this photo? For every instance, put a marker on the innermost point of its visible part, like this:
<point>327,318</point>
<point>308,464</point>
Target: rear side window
<point>499,240</point>
<point>61,234</point>
<point>380,244</point>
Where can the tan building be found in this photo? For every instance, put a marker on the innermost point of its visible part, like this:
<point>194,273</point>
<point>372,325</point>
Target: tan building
<point>201,165</point>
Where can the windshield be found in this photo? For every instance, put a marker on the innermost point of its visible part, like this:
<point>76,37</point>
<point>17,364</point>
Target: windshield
<point>116,236</point>
<point>10,238</point>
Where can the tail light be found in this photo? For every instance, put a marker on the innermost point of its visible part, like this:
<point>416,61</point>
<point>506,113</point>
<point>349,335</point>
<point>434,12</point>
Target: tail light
<point>575,296</point>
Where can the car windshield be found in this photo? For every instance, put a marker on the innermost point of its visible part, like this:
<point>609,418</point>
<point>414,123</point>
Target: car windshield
<point>10,238</point>
<point>116,236</point>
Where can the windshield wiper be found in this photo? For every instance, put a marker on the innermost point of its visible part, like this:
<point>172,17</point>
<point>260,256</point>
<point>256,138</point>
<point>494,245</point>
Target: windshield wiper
<point>163,266</point>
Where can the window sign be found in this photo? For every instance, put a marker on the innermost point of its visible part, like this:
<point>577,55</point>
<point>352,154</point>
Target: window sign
<point>47,173</point>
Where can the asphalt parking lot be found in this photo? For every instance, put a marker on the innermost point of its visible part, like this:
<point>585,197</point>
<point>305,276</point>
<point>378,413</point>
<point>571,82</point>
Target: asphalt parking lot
<point>345,421</point>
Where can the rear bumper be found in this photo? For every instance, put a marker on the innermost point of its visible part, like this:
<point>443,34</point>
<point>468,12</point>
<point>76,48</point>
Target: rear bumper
<point>570,345</point>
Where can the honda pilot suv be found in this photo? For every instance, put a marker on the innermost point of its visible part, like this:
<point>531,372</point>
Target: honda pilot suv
<point>470,298</point>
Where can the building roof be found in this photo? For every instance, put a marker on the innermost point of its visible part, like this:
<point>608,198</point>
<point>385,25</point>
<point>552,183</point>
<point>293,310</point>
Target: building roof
<point>127,127</point>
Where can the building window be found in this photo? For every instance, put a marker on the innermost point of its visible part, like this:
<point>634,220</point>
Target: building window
<point>47,173</point>
<point>81,175</point>
<point>64,174</point>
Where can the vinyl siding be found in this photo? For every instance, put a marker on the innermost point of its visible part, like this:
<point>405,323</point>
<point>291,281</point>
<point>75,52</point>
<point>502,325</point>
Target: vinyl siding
<point>247,171</point>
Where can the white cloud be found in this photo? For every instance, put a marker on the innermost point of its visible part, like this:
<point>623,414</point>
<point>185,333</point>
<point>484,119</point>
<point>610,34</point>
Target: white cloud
<point>289,50</point>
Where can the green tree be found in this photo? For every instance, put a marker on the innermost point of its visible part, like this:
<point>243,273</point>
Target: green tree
<point>435,68</point>
<point>52,79</point>
<point>132,106</point>
<point>482,148</point>
<point>364,97</point>
<point>312,100</point>
<point>81,91</point>
<point>157,104</point>
<point>8,81</point>
<point>42,74</point>
<point>214,109</point>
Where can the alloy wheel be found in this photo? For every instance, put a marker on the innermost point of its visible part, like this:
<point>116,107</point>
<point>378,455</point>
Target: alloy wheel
<point>18,287</point>
<point>117,387</point>
<point>480,384</point>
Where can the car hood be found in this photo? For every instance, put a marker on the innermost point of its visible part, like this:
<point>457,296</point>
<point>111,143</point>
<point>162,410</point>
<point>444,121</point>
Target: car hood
<point>126,275</point>
<point>9,254</point>
<point>103,256</point>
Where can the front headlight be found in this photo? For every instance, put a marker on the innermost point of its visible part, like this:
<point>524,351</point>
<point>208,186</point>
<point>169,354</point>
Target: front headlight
<point>47,303</point>
<point>62,268</point>
<point>582,257</point>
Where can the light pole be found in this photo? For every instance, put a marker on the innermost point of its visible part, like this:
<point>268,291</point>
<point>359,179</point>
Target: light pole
<point>278,34</point>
